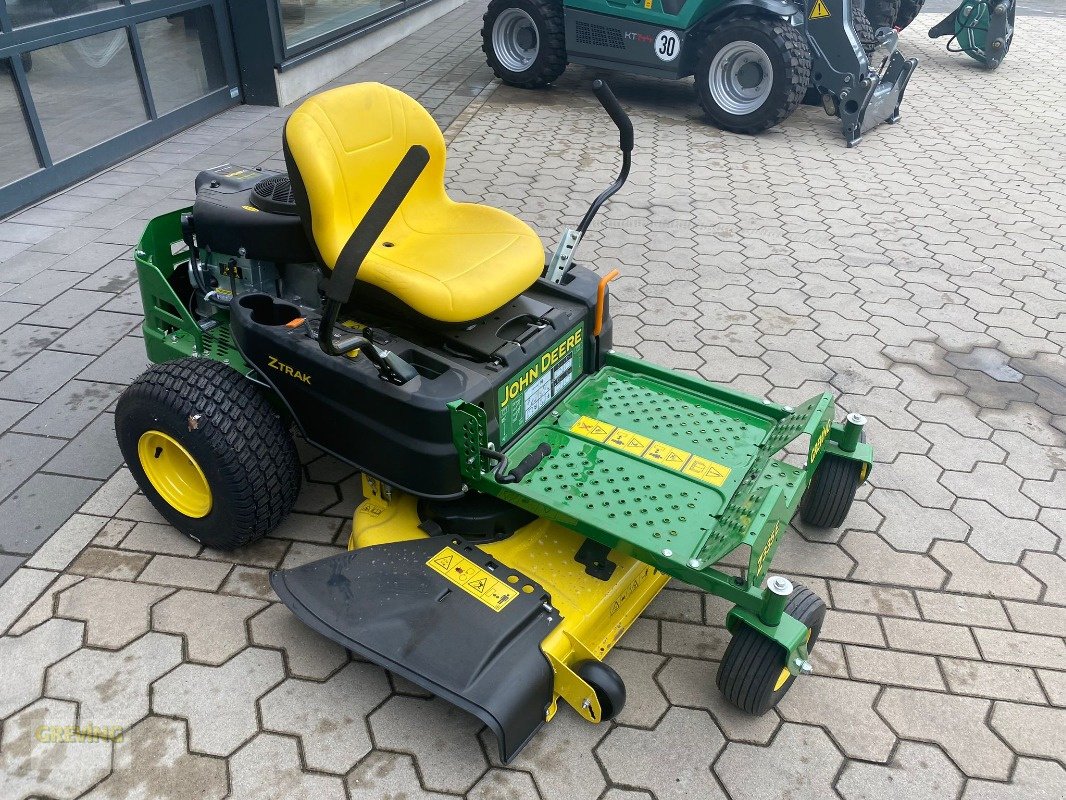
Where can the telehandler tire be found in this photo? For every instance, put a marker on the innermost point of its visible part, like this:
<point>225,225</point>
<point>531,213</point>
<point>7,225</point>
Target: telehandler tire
<point>752,73</point>
<point>524,41</point>
<point>209,451</point>
<point>753,674</point>
<point>908,10</point>
<point>881,13</point>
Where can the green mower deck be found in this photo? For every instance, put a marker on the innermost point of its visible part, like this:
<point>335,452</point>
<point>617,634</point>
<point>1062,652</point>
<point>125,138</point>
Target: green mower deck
<point>672,470</point>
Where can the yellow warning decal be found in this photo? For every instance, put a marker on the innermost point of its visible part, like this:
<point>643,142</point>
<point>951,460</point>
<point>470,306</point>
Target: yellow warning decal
<point>472,579</point>
<point>592,428</point>
<point>819,11</point>
<point>707,471</point>
<point>249,208</point>
<point>647,3</point>
<point>628,442</point>
<point>702,469</point>
<point>666,455</point>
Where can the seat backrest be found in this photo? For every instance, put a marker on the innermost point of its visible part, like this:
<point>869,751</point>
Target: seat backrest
<point>342,145</point>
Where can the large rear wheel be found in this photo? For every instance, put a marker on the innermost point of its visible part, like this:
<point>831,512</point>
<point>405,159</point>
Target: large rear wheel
<point>752,73</point>
<point>209,451</point>
<point>523,41</point>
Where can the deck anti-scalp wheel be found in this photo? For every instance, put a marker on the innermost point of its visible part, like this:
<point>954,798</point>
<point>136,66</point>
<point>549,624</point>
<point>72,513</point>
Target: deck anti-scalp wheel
<point>752,72</point>
<point>524,41</point>
<point>608,685</point>
<point>753,675</point>
<point>209,451</point>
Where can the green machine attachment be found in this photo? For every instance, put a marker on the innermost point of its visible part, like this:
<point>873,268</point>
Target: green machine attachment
<point>982,29</point>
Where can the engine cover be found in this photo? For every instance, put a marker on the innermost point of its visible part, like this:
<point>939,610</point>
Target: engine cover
<point>230,218</point>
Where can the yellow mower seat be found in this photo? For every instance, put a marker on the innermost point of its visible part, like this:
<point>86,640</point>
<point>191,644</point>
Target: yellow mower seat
<point>449,261</point>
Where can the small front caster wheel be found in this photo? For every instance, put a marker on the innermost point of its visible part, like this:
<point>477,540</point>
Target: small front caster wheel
<point>607,684</point>
<point>829,496</point>
<point>753,675</point>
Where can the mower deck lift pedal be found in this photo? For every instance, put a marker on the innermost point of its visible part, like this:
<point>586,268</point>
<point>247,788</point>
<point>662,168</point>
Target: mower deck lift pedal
<point>458,624</point>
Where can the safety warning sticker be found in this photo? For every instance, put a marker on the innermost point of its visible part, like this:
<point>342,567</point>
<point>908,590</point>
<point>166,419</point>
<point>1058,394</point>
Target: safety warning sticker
<point>472,579</point>
<point>702,469</point>
<point>819,11</point>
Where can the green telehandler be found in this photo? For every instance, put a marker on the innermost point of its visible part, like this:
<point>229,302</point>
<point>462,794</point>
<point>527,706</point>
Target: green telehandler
<point>754,61</point>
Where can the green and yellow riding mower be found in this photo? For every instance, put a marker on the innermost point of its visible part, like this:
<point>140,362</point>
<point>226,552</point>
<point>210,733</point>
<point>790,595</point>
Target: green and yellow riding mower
<point>528,491</point>
<point>754,61</point>
<point>982,29</point>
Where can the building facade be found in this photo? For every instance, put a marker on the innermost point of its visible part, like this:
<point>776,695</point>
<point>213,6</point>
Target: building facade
<point>87,83</point>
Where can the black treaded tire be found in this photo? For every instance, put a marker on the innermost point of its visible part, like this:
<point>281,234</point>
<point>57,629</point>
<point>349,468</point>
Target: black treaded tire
<point>608,685</point>
<point>789,55</point>
<point>908,10</point>
<point>829,496</point>
<point>550,62</point>
<point>752,664</point>
<point>865,29</point>
<point>241,443</point>
<point>881,13</point>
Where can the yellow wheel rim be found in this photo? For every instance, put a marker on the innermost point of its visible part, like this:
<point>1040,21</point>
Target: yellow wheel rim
<point>174,474</point>
<point>783,677</point>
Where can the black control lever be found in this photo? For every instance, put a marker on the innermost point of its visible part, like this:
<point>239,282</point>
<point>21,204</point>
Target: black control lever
<point>564,253</point>
<point>352,255</point>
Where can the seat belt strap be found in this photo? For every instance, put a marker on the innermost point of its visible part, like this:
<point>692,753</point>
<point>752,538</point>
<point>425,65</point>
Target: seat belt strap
<point>374,221</point>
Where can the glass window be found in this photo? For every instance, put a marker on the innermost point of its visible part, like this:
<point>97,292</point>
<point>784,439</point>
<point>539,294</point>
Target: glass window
<point>182,58</point>
<point>17,156</point>
<point>30,12</point>
<point>305,19</point>
<point>85,91</point>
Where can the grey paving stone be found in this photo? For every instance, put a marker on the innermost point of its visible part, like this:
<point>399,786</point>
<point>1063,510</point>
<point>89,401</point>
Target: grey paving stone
<point>845,709</point>
<point>43,287</point>
<point>156,537</point>
<point>21,456</point>
<point>308,654</point>
<point>1031,730</point>
<point>8,564</point>
<point>67,412</point>
<point>442,739</point>
<point>189,612</point>
<point>115,612</point>
<point>35,380</point>
<point>11,411</point>
<point>69,308</point>
<point>1026,649</point>
<point>96,333</point>
<point>802,763</point>
<point>1032,780</point>
<point>37,508</point>
<point>334,736</point>
<point>269,766</point>
<point>121,698</point>
<point>106,562</point>
<point>388,775</point>
<point>152,761</point>
<point>19,591</point>
<point>49,769</point>
<point>915,770</point>
<point>955,723</point>
<point>20,342</point>
<point>93,453</point>
<point>10,313</point>
<point>33,652</point>
<point>121,364</point>
<point>65,544</point>
<point>219,702</point>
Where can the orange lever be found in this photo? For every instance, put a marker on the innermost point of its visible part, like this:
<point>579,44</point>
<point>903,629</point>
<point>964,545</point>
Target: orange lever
<point>601,294</point>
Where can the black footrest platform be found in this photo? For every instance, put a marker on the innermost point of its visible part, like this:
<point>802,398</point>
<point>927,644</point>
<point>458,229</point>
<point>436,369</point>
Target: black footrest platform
<point>442,614</point>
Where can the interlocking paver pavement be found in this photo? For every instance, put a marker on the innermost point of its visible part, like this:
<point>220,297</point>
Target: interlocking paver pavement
<point>921,276</point>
